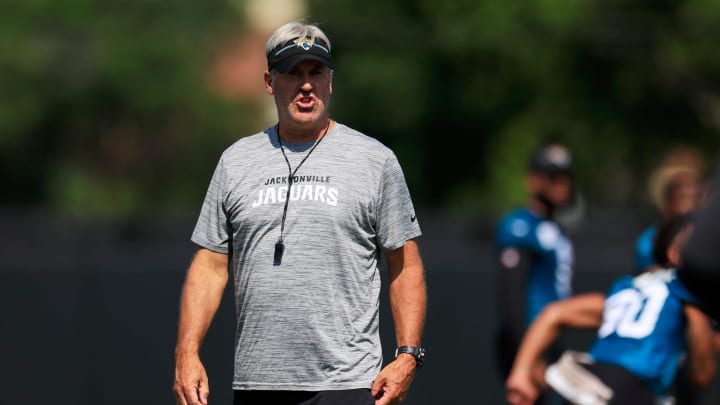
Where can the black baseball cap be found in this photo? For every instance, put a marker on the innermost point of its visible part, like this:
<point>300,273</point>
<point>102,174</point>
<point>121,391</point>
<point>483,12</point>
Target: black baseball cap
<point>551,159</point>
<point>286,55</point>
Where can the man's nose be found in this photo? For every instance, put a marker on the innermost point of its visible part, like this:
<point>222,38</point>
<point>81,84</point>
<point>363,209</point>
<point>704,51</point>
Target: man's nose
<point>306,84</point>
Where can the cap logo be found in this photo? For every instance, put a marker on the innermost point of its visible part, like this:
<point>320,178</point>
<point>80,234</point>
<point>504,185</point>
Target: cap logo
<point>558,155</point>
<point>304,43</point>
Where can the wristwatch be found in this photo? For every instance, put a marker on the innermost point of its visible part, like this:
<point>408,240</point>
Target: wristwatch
<point>417,352</point>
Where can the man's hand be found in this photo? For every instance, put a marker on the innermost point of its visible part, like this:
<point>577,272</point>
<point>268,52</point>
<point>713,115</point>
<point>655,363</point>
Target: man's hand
<point>191,382</point>
<point>520,389</point>
<point>392,384</point>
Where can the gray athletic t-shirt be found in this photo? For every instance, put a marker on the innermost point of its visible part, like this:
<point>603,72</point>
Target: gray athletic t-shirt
<point>310,323</point>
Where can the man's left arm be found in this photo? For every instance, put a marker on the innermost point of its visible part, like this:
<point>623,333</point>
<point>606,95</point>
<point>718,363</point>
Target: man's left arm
<point>408,301</point>
<point>701,354</point>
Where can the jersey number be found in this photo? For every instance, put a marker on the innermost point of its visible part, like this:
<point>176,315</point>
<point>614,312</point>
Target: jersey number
<point>633,313</point>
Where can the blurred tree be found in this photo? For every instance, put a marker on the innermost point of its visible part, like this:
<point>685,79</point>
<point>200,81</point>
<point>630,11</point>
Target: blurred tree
<point>105,107</point>
<point>464,89</point>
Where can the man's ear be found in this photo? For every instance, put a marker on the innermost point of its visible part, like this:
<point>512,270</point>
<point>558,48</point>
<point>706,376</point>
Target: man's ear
<point>268,83</point>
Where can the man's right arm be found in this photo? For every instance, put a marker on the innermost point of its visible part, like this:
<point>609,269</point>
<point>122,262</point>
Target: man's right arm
<point>514,266</point>
<point>201,296</point>
<point>701,354</point>
<point>579,312</point>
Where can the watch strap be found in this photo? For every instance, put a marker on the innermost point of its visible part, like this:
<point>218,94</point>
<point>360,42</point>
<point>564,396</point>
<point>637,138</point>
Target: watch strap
<point>417,352</point>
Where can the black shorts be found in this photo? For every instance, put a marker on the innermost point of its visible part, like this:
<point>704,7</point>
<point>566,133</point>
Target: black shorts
<point>627,388</point>
<point>359,396</point>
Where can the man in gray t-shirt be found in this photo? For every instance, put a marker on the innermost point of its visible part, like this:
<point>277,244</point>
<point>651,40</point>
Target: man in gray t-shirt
<point>299,214</point>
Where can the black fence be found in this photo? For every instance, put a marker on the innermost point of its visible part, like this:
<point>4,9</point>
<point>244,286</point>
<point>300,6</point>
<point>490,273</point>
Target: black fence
<point>89,310</point>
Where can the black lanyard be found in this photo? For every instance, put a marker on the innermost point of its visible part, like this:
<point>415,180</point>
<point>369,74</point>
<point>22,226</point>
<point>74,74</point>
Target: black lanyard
<point>279,245</point>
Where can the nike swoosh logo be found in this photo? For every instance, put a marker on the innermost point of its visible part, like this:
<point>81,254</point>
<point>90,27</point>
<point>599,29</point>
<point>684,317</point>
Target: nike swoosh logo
<point>412,218</point>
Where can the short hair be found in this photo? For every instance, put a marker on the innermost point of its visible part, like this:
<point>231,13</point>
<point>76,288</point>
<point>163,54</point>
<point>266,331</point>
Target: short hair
<point>668,179</point>
<point>666,234</point>
<point>292,30</point>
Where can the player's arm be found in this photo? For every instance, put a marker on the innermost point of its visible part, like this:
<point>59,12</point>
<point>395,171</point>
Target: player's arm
<point>701,353</point>
<point>582,311</point>
<point>514,265</point>
<point>408,304</point>
<point>201,295</point>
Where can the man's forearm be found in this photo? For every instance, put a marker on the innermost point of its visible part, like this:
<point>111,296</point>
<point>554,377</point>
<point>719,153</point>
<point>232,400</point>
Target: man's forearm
<point>408,300</point>
<point>701,354</point>
<point>538,338</point>
<point>579,312</point>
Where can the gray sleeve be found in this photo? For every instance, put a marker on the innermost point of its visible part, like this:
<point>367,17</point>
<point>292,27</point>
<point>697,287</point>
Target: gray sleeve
<point>211,230</point>
<point>397,222</point>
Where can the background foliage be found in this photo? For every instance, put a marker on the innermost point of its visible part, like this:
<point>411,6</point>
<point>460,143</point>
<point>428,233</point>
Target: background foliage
<point>465,89</point>
<point>106,107</point>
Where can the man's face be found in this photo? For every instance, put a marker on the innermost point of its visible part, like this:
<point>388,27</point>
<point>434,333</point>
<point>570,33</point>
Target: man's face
<point>559,188</point>
<point>556,187</point>
<point>302,94</point>
<point>682,198</point>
